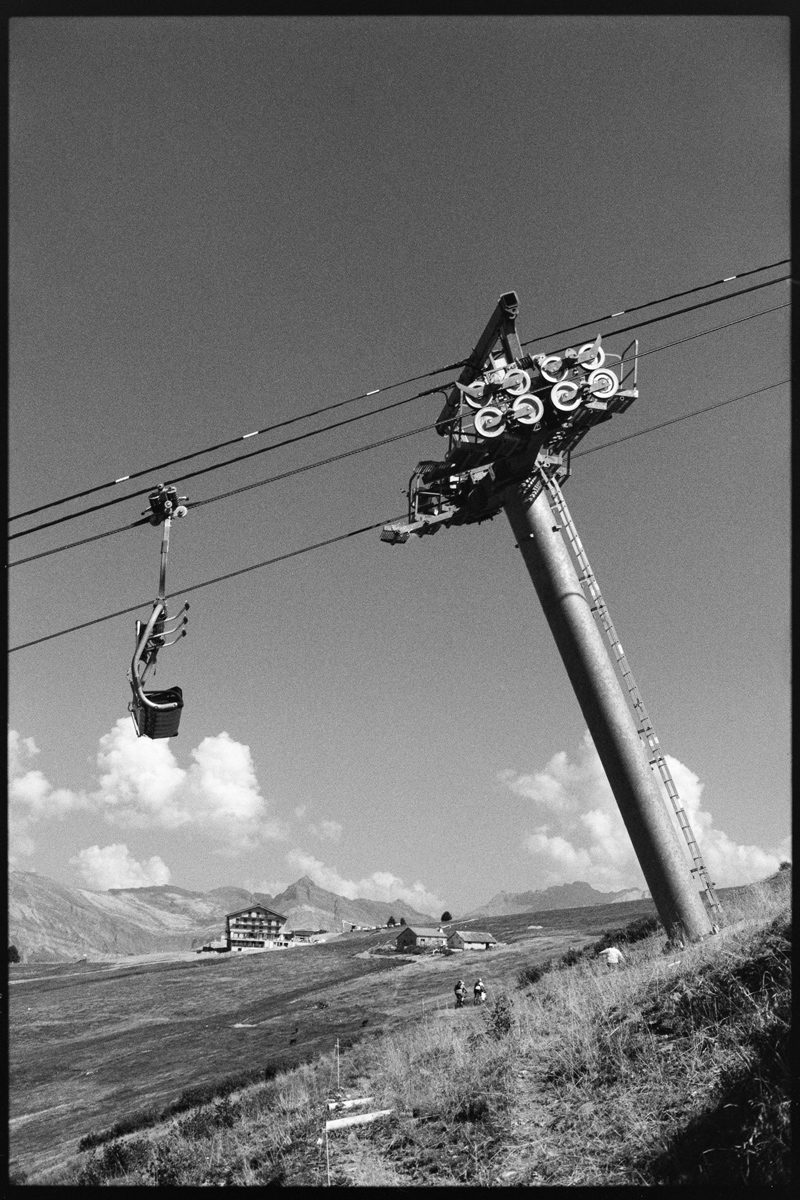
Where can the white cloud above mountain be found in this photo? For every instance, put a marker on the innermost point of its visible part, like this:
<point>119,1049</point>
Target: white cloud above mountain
<point>329,831</point>
<point>140,783</point>
<point>576,830</point>
<point>380,885</point>
<point>729,862</point>
<point>114,866</point>
<point>140,786</point>
<point>32,799</point>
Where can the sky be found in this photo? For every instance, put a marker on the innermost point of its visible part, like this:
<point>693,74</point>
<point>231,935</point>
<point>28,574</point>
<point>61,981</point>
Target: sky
<point>220,223</point>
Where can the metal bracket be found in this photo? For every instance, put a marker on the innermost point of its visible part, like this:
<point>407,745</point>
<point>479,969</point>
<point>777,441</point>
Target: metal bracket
<point>502,327</point>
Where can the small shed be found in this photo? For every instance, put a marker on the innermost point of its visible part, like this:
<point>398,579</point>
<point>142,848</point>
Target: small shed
<point>470,939</point>
<point>418,938</point>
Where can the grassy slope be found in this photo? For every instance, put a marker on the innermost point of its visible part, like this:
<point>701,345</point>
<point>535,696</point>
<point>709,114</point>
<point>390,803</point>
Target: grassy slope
<point>674,1070</point>
<point>93,1044</point>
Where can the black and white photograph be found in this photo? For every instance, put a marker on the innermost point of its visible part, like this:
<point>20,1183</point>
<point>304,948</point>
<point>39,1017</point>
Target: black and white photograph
<point>399,594</point>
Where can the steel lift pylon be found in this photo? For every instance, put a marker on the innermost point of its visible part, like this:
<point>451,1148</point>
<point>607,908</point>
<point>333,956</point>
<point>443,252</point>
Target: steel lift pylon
<point>512,421</point>
<point>647,733</point>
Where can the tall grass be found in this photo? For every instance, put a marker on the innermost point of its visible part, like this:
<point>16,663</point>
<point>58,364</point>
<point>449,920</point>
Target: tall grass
<point>673,1069</point>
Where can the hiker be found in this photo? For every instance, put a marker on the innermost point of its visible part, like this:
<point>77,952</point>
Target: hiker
<point>479,992</point>
<point>613,957</point>
<point>461,991</point>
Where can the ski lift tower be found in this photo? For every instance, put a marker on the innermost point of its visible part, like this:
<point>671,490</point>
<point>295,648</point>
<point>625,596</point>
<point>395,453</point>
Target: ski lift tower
<point>511,422</point>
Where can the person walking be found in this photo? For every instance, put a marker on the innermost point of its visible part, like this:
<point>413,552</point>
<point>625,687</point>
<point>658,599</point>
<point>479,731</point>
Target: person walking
<point>613,957</point>
<point>479,992</point>
<point>461,992</point>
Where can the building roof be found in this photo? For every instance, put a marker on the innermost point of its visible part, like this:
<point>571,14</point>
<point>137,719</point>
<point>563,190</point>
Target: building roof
<point>256,908</point>
<point>420,932</point>
<point>473,935</point>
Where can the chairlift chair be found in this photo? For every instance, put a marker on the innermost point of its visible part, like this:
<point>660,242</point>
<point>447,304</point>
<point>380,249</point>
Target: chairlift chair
<point>157,714</point>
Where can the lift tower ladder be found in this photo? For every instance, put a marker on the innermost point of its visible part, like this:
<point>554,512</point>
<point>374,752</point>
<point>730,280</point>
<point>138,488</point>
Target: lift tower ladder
<point>646,731</point>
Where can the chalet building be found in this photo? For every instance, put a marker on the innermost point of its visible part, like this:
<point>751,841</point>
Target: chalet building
<point>254,928</point>
<point>470,939</point>
<point>410,939</point>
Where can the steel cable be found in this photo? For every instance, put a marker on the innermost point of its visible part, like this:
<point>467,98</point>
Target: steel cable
<point>365,528</point>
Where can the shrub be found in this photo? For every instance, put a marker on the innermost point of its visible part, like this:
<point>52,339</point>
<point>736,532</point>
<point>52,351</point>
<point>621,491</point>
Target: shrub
<point>92,1139</point>
<point>636,931</point>
<point>533,972</point>
<point>117,1160</point>
<point>197,1125</point>
<point>641,928</point>
<point>499,1016</point>
<point>171,1162</point>
<point>226,1113</point>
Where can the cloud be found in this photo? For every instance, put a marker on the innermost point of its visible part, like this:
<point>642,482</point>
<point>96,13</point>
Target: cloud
<point>380,885</point>
<point>140,783</point>
<point>142,786</point>
<point>577,831</point>
<point>32,798</point>
<point>224,794</point>
<point>115,867</point>
<point>554,787</point>
<point>330,831</point>
<point>728,862</point>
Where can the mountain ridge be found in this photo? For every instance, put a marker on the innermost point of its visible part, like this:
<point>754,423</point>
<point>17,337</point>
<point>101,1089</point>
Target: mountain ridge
<point>577,894</point>
<point>48,921</point>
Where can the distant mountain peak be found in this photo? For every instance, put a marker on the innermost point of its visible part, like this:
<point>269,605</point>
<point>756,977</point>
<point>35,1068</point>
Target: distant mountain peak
<point>578,894</point>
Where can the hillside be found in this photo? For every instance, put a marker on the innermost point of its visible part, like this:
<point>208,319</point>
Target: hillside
<point>48,922</point>
<point>670,1071</point>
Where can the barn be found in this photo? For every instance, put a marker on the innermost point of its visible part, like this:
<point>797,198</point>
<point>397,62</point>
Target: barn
<point>470,939</point>
<point>417,938</point>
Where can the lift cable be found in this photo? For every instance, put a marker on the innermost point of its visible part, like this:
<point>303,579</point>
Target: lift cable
<point>649,304</point>
<point>678,312</point>
<point>384,388</point>
<point>242,437</point>
<point>206,583</point>
<point>339,424</point>
<point>396,437</point>
<point>676,420</point>
<point>691,337</point>
<point>333,458</point>
<point>228,462</point>
<point>366,528</point>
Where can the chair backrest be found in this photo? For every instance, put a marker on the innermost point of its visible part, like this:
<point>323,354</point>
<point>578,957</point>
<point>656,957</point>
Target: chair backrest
<point>159,723</point>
